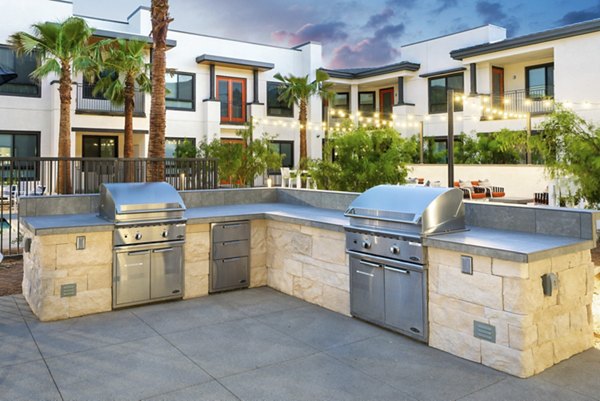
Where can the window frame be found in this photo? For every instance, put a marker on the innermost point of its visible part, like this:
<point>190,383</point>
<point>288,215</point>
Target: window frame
<point>179,139</point>
<point>279,143</point>
<point>230,80</point>
<point>457,107</point>
<point>527,83</point>
<point>282,106</point>
<point>39,83</point>
<point>347,95</point>
<point>193,108</point>
<point>37,134</point>
<point>116,137</point>
<point>368,113</point>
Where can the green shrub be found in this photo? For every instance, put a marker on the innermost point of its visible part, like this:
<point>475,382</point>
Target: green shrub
<point>364,157</point>
<point>185,149</point>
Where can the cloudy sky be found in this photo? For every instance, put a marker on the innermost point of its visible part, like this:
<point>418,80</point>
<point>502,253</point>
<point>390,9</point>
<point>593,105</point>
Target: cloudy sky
<point>353,32</point>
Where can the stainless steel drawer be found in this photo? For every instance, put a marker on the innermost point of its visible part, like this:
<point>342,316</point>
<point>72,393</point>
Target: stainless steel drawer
<point>230,249</point>
<point>236,230</point>
<point>228,274</point>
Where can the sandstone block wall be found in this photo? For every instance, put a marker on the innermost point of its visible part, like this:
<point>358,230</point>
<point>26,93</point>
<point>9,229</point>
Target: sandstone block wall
<point>53,260</point>
<point>533,331</point>
<point>309,263</point>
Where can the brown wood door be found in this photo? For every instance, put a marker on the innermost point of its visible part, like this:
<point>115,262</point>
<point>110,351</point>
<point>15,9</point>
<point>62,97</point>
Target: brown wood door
<point>498,88</point>
<point>386,102</point>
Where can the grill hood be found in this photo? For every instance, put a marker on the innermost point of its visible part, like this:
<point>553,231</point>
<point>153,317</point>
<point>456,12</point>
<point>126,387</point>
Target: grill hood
<point>140,202</point>
<point>422,210</point>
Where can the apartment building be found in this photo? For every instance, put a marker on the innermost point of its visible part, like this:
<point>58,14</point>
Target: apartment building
<point>216,85</point>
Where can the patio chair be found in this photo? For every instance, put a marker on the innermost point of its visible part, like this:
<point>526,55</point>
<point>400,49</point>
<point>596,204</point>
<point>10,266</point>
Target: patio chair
<point>470,191</point>
<point>490,190</point>
<point>285,177</point>
<point>541,198</point>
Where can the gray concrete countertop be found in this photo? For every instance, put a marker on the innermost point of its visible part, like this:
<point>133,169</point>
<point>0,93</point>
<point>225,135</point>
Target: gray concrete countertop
<point>507,245</point>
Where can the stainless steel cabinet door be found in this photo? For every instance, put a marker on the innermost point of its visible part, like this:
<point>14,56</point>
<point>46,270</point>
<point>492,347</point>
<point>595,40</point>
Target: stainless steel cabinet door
<point>229,274</point>
<point>404,300</point>
<point>166,272</point>
<point>366,290</point>
<point>132,277</point>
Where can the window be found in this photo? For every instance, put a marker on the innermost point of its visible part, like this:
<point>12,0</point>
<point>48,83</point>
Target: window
<point>276,107</point>
<point>19,144</point>
<point>539,81</point>
<point>285,148</point>
<point>341,101</point>
<point>366,103</point>
<point>438,88</point>
<point>88,87</point>
<point>172,143</point>
<point>232,94</point>
<point>23,66</point>
<point>180,87</point>
<point>100,146</point>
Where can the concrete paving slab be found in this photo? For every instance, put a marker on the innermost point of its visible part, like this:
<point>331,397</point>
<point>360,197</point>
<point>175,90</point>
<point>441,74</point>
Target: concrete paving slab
<point>532,389</point>
<point>580,373</point>
<point>172,317</point>
<point>320,327</point>
<point>228,348</point>
<point>259,301</point>
<point>27,381</point>
<point>88,332</point>
<point>421,371</point>
<point>129,371</point>
<point>211,391</point>
<point>17,345</point>
<point>316,377</point>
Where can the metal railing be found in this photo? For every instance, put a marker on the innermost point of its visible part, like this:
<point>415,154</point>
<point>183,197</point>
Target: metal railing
<point>39,176</point>
<point>535,100</point>
<point>98,104</point>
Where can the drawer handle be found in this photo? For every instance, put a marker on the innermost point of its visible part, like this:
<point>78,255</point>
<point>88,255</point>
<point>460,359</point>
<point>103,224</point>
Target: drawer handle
<point>144,252</point>
<point>163,250</point>
<point>230,260</point>
<point>370,264</point>
<point>232,226</point>
<point>233,242</point>
<point>397,270</point>
<point>365,273</point>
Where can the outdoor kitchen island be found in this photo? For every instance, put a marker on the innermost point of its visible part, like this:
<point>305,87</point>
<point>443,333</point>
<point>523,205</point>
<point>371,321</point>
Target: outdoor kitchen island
<point>297,246</point>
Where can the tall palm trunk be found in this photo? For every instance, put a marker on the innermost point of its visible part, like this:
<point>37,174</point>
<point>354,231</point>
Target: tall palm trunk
<point>302,118</point>
<point>129,107</point>
<point>64,134</point>
<point>160,24</point>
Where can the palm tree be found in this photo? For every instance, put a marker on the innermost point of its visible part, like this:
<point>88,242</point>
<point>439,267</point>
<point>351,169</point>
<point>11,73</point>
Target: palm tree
<point>63,49</point>
<point>298,91</point>
<point>159,12</point>
<point>123,65</point>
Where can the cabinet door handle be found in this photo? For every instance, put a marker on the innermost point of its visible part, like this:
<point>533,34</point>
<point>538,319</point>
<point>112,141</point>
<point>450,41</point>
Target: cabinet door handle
<point>365,273</point>
<point>163,250</point>
<point>232,226</point>
<point>370,264</point>
<point>396,270</point>
<point>144,252</point>
<point>230,260</point>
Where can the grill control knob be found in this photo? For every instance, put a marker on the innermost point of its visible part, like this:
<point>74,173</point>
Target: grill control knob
<point>165,234</point>
<point>138,236</point>
<point>395,249</point>
<point>366,244</point>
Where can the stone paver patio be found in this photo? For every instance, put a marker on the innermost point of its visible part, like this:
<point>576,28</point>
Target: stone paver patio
<point>253,344</point>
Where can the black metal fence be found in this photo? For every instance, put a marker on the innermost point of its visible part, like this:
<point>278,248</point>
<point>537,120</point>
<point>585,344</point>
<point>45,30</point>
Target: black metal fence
<point>39,176</point>
<point>535,100</point>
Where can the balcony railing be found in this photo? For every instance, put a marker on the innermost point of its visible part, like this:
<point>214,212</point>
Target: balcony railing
<point>87,103</point>
<point>535,100</point>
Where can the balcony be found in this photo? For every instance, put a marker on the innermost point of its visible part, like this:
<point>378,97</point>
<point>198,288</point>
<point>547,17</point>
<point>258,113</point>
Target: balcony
<point>88,103</point>
<point>515,103</point>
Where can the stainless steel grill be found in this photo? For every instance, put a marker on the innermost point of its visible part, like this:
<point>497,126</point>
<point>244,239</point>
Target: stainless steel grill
<point>388,264</point>
<point>147,242</point>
